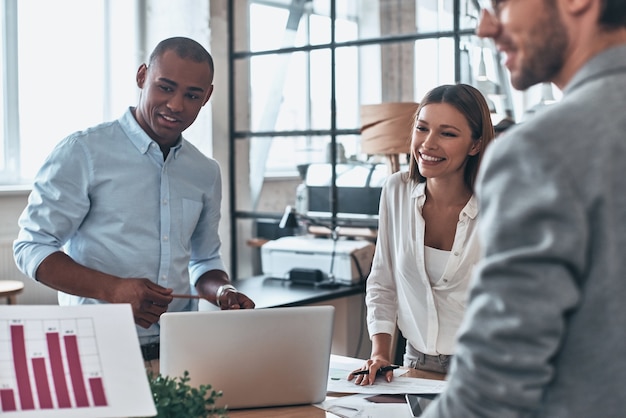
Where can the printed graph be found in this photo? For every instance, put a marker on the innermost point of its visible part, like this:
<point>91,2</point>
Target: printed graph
<point>48,364</point>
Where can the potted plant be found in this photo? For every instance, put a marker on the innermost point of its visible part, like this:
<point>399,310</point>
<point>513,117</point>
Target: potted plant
<point>175,398</point>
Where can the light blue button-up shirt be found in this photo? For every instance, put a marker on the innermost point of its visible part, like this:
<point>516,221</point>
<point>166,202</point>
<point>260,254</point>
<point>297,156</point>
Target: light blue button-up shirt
<point>108,199</point>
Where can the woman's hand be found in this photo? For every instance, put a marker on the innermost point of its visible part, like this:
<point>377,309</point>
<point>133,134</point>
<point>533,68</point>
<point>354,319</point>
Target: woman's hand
<point>366,375</point>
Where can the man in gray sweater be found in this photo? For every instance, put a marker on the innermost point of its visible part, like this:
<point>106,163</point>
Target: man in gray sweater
<point>545,330</point>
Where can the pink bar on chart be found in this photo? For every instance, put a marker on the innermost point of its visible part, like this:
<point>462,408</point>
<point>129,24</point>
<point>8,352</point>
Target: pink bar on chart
<point>76,370</point>
<point>41,382</point>
<point>97,390</point>
<point>7,400</point>
<point>58,374</point>
<point>18,345</point>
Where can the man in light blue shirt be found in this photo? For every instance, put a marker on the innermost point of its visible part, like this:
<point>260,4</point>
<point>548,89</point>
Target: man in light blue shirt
<point>128,211</point>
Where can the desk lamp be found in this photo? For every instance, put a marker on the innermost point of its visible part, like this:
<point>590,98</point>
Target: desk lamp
<point>290,220</point>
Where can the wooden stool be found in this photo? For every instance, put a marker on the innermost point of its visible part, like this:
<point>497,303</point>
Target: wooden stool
<point>9,289</point>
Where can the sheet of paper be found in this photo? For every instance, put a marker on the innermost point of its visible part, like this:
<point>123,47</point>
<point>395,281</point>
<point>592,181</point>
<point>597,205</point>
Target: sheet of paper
<point>341,366</point>
<point>71,361</point>
<point>357,406</point>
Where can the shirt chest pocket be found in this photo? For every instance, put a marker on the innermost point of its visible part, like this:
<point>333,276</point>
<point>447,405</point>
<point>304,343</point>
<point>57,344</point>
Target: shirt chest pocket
<point>190,214</point>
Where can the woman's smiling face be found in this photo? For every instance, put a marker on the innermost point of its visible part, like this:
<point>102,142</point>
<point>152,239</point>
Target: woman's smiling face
<point>442,141</point>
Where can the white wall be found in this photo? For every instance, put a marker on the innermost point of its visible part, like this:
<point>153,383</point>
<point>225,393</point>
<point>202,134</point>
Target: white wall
<point>11,206</point>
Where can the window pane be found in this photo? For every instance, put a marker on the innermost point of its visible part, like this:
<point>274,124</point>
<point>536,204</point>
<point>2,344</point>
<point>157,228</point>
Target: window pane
<point>63,82</point>
<point>272,23</point>
<point>348,84</point>
<point>370,74</point>
<point>376,18</point>
<point>288,23</point>
<point>60,87</point>
<point>434,64</point>
<point>435,15</point>
<point>319,89</point>
<point>287,153</point>
<point>2,93</point>
<point>290,91</point>
<point>469,14</point>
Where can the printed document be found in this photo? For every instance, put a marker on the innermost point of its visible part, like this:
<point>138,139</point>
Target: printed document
<point>71,361</point>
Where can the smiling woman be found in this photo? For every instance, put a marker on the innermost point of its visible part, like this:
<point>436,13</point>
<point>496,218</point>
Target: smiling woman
<point>427,242</point>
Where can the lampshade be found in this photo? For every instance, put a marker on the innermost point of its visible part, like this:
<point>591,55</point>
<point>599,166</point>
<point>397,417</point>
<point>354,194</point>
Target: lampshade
<point>386,127</point>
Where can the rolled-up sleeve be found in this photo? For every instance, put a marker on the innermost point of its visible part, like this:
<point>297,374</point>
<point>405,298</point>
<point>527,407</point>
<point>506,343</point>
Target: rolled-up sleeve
<point>56,206</point>
<point>381,297</point>
<point>205,241</point>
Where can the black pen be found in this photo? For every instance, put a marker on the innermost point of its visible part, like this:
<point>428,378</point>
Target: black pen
<point>380,371</point>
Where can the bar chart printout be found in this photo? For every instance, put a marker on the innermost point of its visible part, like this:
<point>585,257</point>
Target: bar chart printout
<point>49,364</point>
<point>79,361</point>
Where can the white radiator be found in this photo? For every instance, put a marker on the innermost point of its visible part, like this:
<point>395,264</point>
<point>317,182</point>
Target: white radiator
<point>34,293</point>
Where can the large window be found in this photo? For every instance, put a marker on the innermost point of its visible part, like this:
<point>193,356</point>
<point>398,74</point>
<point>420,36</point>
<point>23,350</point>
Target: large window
<point>303,68</point>
<point>70,64</point>
<point>63,69</point>
<point>295,44</point>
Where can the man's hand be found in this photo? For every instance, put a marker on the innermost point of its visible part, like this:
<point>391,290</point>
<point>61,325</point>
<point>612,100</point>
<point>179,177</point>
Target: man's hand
<point>147,299</point>
<point>215,287</point>
<point>232,299</point>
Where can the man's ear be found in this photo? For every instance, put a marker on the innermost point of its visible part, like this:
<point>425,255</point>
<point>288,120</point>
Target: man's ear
<point>141,75</point>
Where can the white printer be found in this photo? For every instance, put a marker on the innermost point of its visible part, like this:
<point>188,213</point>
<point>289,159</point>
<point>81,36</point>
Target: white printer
<point>352,258</point>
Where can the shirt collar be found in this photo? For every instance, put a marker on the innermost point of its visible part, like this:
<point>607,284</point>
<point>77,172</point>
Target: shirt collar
<point>610,60</point>
<point>419,192</point>
<point>138,137</point>
<point>471,209</point>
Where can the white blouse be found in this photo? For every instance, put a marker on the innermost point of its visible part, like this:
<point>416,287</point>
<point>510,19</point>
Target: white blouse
<point>399,288</point>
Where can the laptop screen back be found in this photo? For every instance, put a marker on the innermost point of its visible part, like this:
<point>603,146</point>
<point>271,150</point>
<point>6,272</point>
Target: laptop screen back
<point>256,357</point>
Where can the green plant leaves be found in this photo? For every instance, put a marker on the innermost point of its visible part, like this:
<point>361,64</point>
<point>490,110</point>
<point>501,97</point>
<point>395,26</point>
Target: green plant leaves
<point>175,398</point>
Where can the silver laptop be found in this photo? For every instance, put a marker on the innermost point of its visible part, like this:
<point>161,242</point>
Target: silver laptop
<point>256,357</point>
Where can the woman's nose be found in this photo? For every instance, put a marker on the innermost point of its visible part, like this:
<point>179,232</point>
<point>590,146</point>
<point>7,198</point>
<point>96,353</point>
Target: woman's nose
<point>430,141</point>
